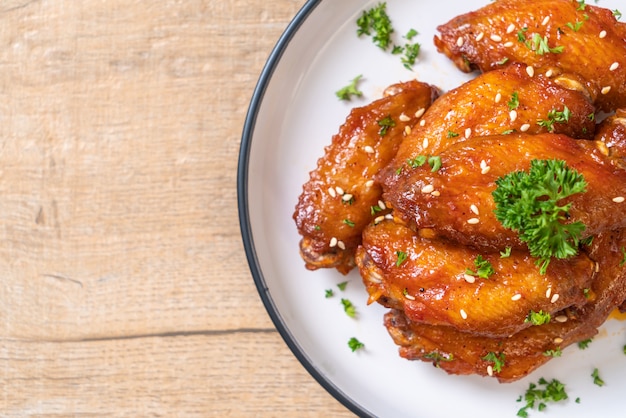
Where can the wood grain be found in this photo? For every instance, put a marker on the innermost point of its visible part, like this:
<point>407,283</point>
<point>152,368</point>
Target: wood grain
<point>125,290</point>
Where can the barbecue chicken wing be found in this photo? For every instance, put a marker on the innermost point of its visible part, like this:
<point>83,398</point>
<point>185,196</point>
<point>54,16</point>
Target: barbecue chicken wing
<point>612,132</point>
<point>431,285</point>
<point>548,35</point>
<point>456,201</point>
<point>341,195</point>
<point>466,353</point>
<point>500,101</point>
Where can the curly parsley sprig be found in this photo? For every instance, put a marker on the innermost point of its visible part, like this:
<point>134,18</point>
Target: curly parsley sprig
<point>530,203</point>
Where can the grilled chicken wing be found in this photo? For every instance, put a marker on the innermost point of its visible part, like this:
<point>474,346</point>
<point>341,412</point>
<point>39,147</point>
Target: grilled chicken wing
<point>336,203</point>
<point>548,35</point>
<point>456,200</point>
<point>465,353</point>
<point>500,101</point>
<point>612,132</point>
<point>428,280</point>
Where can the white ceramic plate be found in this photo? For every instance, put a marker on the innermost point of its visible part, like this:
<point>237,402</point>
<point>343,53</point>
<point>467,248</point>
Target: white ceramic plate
<point>293,114</point>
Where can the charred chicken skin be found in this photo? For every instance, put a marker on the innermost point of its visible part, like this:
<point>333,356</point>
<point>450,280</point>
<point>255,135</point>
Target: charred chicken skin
<point>547,35</point>
<point>338,200</point>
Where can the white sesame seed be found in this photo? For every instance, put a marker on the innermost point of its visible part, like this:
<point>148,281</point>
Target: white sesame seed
<point>474,209</point>
<point>422,122</point>
<point>473,221</point>
<point>516,296</point>
<point>425,143</point>
<point>382,205</point>
<point>435,193</point>
<point>618,199</point>
<point>404,118</point>
<point>428,188</point>
<point>545,20</point>
<point>407,130</point>
<point>510,28</point>
<point>483,164</point>
<point>409,297</point>
<point>614,66</point>
<point>490,370</point>
<point>548,292</point>
<point>496,38</point>
<point>561,318</point>
<point>498,98</point>
<point>463,314</point>
<point>333,242</point>
<point>605,90</point>
<point>558,340</point>
<point>420,113</point>
<point>469,278</point>
<point>530,71</point>
<point>602,34</point>
<point>485,170</point>
<point>524,127</point>
<point>555,297</point>
<point>513,115</point>
<point>389,216</point>
<point>379,219</point>
<point>459,41</point>
<point>597,267</point>
<point>368,149</point>
<point>480,36</point>
<point>468,132</point>
<point>346,197</point>
<point>369,183</point>
<point>341,245</point>
<point>332,192</point>
<point>508,44</point>
<point>339,190</point>
<point>549,73</point>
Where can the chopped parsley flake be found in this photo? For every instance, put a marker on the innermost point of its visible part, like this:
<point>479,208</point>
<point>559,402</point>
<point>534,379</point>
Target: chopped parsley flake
<point>329,293</point>
<point>596,378</point>
<point>581,5</point>
<point>418,161</point>
<point>575,26</point>
<point>484,269</point>
<point>411,52</point>
<point>349,308</point>
<point>514,102</point>
<point>355,344</point>
<point>401,258</point>
<point>385,123</point>
<point>555,116</point>
<point>584,343</point>
<point>498,360</point>
<point>437,357</point>
<point>375,209</point>
<point>435,163</point>
<point>621,263</point>
<point>617,14</point>
<point>506,253</point>
<point>346,93</point>
<point>452,134</point>
<point>538,318</point>
<point>553,353</point>
<point>342,285</point>
<point>349,223</point>
<point>521,35</point>
<point>538,395</point>
<point>541,47</point>
<point>376,23</point>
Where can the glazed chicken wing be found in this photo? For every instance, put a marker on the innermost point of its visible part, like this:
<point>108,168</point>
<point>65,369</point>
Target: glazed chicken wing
<point>547,35</point>
<point>465,353</point>
<point>428,279</point>
<point>338,200</point>
<point>612,132</point>
<point>497,102</point>
<point>456,201</point>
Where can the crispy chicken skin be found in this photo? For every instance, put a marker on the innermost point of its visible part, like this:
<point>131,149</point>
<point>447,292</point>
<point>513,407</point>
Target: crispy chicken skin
<point>336,203</point>
<point>586,40</point>
<point>464,353</point>
<point>431,285</point>
<point>503,100</point>
<point>456,201</point>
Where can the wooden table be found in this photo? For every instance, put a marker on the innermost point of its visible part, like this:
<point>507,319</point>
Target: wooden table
<point>125,290</point>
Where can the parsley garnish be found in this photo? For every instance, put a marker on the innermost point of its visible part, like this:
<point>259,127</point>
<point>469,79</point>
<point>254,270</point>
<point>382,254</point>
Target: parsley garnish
<point>342,286</point>
<point>514,102</point>
<point>411,50</point>
<point>484,269</point>
<point>521,35</point>
<point>538,318</point>
<point>437,357</point>
<point>540,45</point>
<point>529,203</point>
<point>377,21</point>
<point>349,223</point>
<point>346,93</point>
<point>452,134</point>
<point>587,292</point>
<point>329,293</point>
<point>555,116</point>
<point>433,161</point>
<point>506,253</point>
<point>355,344</point>
<point>401,258</point>
<point>575,26</point>
<point>349,308</point>
<point>596,378</point>
<point>581,5</point>
<point>621,263</point>
<point>553,353</point>
<point>496,359</point>
<point>584,343</point>
<point>617,14</point>
<point>385,123</point>
<point>536,397</point>
<point>375,209</point>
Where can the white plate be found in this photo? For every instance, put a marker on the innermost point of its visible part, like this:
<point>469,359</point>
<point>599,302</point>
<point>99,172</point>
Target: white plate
<point>292,116</point>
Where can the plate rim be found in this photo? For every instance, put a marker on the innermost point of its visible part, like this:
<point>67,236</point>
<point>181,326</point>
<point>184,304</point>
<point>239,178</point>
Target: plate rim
<point>244,216</point>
